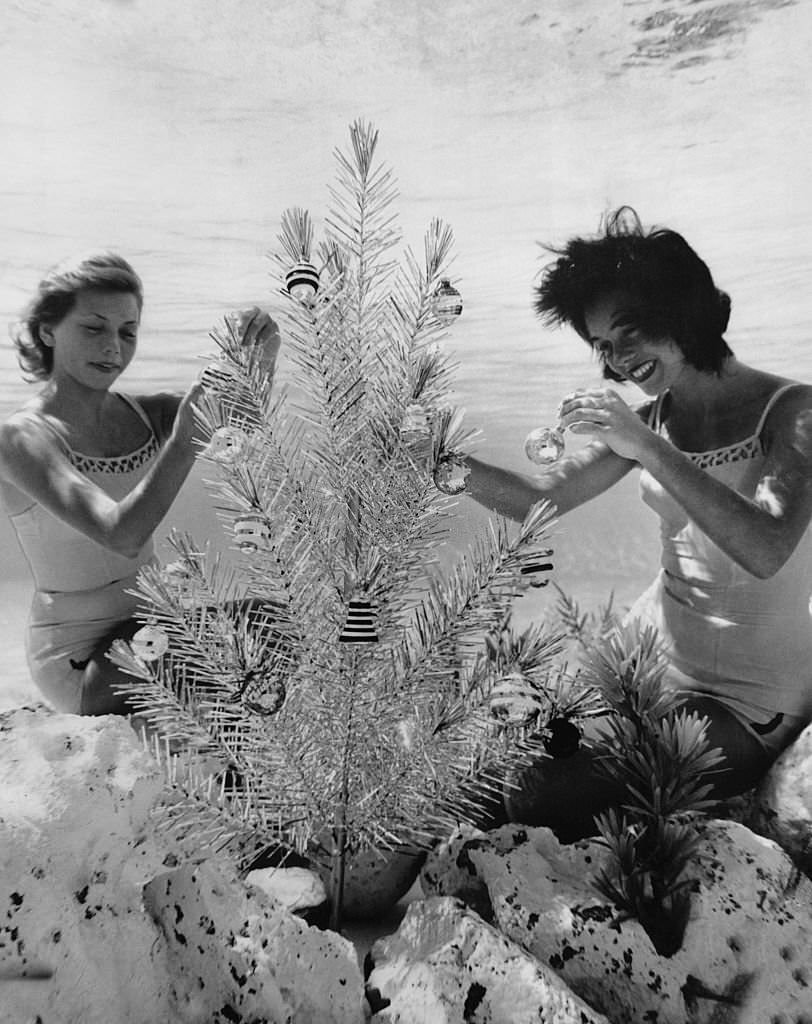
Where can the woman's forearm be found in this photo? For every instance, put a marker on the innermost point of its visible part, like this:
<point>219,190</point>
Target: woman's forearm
<point>500,490</point>
<point>140,512</point>
<point>571,482</point>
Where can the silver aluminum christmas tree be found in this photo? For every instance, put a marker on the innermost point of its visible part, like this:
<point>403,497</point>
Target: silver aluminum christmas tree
<point>333,687</point>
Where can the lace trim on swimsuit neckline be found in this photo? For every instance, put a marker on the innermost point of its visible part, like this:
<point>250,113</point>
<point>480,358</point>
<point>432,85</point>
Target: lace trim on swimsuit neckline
<point>736,452</point>
<point>746,449</point>
<point>114,463</point>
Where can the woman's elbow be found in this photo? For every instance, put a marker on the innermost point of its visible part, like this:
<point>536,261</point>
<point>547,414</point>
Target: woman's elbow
<point>770,562</point>
<point>123,543</point>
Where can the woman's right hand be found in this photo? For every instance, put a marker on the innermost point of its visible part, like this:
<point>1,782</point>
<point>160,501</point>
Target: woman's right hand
<point>260,332</point>
<point>187,429</point>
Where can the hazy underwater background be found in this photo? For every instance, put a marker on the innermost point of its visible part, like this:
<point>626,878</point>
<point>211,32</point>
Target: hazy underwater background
<point>178,133</point>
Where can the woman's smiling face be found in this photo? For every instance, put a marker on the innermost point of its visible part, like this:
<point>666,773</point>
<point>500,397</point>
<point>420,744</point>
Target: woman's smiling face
<point>650,362</point>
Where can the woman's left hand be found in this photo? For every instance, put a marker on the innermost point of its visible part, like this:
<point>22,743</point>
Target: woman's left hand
<point>257,330</point>
<point>602,413</point>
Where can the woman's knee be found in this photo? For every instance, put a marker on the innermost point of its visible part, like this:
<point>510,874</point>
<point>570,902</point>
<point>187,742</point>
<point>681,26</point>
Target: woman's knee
<point>746,758</point>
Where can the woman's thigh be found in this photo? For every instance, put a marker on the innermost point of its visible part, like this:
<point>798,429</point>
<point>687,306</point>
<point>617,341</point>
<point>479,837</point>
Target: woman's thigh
<point>102,677</point>
<point>746,758</point>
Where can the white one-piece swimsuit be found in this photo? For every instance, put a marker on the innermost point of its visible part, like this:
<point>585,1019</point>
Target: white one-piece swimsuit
<point>80,587</point>
<point>743,641</point>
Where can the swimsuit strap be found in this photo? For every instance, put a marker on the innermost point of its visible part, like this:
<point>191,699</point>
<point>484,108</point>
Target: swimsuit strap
<point>770,403</point>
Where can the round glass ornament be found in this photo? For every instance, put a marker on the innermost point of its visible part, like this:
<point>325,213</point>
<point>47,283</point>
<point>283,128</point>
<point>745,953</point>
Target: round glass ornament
<point>227,445</point>
<point>149,643</point>
<point>450,475</point>
<point>544,445</point>
<point>268,700</point>
<point>446,302</point>
<point>512,701</point>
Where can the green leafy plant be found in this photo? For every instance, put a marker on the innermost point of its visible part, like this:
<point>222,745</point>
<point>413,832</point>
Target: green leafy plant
<point>660,756</point>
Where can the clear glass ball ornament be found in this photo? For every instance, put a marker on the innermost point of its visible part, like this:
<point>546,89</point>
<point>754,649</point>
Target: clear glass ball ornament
<point>415,431</point>
<point>406,733</point>
<point>268,700</point>
<point>544,445</point>
<point>415,423</point>
<point>446,302</point>
<point>227,445</point>
<point>512,701</point>
<point>450,475</point>
<point>149,643</point>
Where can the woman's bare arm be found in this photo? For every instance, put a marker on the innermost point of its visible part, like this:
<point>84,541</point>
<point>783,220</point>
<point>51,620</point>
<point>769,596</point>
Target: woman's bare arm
<point>761,533</point>
<point>568,483</point>
<point>758,533</point>
<point>32,461</point>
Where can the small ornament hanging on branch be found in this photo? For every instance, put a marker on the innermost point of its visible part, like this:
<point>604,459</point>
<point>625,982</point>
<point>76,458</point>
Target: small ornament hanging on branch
<point>446,304</point>
<point>537,571</point>
<point>302,281</point>
<point>450,474</point>
<point>150,643</point>
<point>544,445</point>
<point>450,468</point>
<point>361,623</point>
<point>227,445</point>
<point>252,532</point>
<point>263,692</point>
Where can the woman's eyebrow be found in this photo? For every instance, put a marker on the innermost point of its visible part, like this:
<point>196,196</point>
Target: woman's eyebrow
<point>101,316</point>
<point>622,319</point>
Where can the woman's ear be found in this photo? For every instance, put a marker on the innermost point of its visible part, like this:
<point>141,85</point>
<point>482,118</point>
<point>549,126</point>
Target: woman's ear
<point>46,335</point>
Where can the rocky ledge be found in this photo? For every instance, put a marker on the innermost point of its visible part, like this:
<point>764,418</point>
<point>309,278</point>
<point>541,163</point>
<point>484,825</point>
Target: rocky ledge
<point>107,919</point>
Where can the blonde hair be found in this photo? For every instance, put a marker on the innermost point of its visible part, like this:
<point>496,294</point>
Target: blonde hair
<point>55,298</point>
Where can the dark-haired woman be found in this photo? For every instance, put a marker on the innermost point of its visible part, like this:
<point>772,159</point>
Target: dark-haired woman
<point>87,473</point>
<point>726,457</point>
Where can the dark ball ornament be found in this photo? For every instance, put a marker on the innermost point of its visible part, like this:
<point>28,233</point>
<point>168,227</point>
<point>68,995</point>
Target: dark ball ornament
<point>563,737</point>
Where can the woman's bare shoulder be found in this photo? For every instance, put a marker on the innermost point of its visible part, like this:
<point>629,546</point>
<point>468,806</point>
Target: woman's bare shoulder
<point>789,416</point>
<point>790,397</point>
<point>161,408</point>
<point>31,427</point>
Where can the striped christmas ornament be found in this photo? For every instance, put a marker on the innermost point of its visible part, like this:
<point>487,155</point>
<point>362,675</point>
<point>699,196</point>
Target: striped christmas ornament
<point>252,532</point>
<point>361,624</point>
<point>537,573</point>
<point>302,281</point>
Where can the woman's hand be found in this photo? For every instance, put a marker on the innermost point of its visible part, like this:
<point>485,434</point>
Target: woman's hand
<point>601,413</point>
<point>258,331</point>
<point>186,428</point>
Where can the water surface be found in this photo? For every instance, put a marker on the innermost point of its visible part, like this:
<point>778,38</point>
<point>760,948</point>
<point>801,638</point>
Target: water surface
<point>178,134</point>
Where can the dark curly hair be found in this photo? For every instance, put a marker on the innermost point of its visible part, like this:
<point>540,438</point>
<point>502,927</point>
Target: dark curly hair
<point>55,298</point>
<point>671,287</point>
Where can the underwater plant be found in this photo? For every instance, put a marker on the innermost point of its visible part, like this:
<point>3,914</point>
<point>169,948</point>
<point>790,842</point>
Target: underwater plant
<point>659,753</point>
